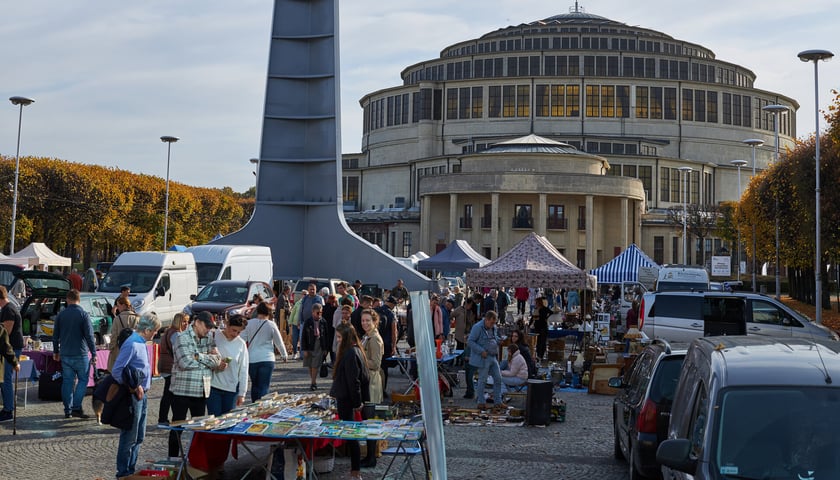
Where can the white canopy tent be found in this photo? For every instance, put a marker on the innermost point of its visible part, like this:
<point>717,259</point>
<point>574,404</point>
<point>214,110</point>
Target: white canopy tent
<point>23,262</point>
<point>42,255</point>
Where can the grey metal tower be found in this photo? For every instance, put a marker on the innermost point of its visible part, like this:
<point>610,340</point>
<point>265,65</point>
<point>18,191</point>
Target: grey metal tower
<point>298,211</point>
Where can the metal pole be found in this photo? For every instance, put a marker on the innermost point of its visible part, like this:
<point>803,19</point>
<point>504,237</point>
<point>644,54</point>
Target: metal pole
<point>169,141</point>
<point>753,142</point>
<point>776,110</point>
<point>22,102</point>
<point>685,171</point>
<point>739,164</point>
<point>815,56</point>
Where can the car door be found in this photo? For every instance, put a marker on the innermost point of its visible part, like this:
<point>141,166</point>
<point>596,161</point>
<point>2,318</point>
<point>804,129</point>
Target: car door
<point>675,317</point>
<point>766,318</point>
<point>631,398</point>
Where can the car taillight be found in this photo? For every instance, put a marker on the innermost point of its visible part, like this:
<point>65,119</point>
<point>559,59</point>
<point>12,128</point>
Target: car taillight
<point>646,422</point>
<point>641,317</point>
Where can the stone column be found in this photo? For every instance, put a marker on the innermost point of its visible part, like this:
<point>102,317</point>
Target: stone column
<point>542,214</point>
<point>426,243</point>
<point>625,223</point>
<point>494,225</point>
<point>590,237</point>
<point>453,217</point>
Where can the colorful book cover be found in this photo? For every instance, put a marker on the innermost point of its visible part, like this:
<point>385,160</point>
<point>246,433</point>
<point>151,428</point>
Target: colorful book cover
<point>257,428</point>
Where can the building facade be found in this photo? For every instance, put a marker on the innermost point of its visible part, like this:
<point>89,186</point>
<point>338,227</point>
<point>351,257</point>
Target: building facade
<point>574,126</point>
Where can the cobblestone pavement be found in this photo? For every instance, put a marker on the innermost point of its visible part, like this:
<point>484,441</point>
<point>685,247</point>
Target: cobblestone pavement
<point>48,446</point>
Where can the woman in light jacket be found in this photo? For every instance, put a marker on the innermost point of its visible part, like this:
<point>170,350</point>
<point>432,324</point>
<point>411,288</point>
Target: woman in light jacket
<point>262,336</point>
<point>374,348</point>
<point>517,372</point>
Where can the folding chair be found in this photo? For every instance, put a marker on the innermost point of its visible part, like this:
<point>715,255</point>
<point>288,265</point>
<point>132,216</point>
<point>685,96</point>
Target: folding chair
<point>408,450</point>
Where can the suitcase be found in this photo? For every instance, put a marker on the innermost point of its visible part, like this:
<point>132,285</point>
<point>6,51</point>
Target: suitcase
<point>49,386</point>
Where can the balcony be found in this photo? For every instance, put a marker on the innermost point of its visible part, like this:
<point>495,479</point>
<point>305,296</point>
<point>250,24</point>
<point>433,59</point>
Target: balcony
<point>557,223</point>
<point>581,224</point>
<point>486,222</point>
<point>523,222</point>
<point>466,222</point>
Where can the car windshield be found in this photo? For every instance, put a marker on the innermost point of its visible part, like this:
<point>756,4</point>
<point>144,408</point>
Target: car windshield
<point>139,279</point>
<point>207,272</point>
<point>778,433</point>
<point>223,294</point>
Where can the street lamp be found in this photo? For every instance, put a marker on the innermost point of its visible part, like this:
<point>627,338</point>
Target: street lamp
<point>739,164</point>
<point>776,110</point>
<point>168,141</point>
<point>753,142</point>
<point>685,171</point>
<point>22,102</point>
<point>815,56</point>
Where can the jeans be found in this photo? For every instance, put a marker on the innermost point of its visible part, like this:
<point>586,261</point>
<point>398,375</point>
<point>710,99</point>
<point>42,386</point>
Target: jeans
<point>165,400</point>
<point>469,372</point>
<point>490,366</point>
<point>520,307</point>
<point>8,386</point>
<point>260,375</point>
<point>295,338</point>
<point>131,439</point>
<point>74,369</point>
<point>220,401</point>
<point>512,382</point>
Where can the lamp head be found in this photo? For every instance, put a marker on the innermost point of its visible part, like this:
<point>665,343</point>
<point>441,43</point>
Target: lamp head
<point>168,139</point>
<point>738,163</point>
<point>753,142</point>
<point>255,161</point>
<point>815,55</point>
<point>686,169</point>
<point>21,101</point>
<point>774,109</point>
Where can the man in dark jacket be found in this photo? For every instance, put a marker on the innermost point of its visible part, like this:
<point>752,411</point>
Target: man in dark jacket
<point>11,321</point>
<point>74,346</point>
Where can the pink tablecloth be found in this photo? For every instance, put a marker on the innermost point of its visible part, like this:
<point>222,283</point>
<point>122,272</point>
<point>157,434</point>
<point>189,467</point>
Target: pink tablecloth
<point>44,362</point>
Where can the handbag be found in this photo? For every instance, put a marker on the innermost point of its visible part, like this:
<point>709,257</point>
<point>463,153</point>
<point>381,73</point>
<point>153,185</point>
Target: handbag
<point>324,369</point>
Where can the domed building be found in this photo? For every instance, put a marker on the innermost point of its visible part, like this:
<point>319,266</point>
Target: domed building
<point>577,127</point>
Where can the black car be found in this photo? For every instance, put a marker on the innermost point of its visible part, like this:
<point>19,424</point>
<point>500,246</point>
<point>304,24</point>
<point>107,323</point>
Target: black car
<point>642,409</point>
<point>228,297</point>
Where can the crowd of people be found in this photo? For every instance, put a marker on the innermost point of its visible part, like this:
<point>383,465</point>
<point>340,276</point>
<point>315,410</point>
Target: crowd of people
<point>211,365</point>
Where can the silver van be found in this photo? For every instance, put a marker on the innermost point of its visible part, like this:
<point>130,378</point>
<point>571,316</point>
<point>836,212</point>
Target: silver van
<point>683,316</point>
<point>755,408</point>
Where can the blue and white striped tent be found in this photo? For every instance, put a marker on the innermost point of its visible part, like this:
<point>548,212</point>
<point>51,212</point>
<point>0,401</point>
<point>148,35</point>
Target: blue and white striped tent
<point>625,267</point>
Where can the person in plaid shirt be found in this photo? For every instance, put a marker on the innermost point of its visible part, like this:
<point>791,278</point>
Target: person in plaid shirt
<point>196,358</point>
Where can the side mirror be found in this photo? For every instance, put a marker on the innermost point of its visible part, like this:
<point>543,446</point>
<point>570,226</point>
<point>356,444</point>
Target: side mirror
<point>676,454</point>
<point>159,292</point>
<point>192,296</point>
<point>616,382</point>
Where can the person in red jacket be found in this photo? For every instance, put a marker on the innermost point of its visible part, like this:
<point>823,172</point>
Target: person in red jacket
<point>521,295</point>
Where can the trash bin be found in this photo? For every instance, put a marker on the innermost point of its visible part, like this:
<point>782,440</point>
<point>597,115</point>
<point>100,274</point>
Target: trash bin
<point>538,402</point>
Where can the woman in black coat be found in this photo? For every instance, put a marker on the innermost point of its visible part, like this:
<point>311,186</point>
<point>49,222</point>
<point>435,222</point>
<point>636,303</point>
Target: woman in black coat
<point>351,385</point>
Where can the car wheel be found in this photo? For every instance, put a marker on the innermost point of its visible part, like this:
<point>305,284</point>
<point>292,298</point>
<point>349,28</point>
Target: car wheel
<point>619,455</point>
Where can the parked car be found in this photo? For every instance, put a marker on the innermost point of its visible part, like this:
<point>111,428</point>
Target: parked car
<point>684,316</point>
<point>48,296</point>
<point>320,283</point>
<point>755,408</point>
<point>228,297</point>
<point>642,407</point>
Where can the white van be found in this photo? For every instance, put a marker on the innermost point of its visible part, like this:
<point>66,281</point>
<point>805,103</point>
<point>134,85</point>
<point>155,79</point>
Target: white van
<point>682,278</point>
<point>160,282</point>
<point>232,262</point>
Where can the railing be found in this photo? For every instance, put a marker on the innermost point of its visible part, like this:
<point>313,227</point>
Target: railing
<point>466,222</point>
<point>554,223</point>
<point>523,222</point>
<point>486,222</point>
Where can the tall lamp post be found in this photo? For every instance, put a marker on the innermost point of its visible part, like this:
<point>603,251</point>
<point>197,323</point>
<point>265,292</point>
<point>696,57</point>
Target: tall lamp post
<point>753,142</point>
<point>815,56</point>
<point>22,102</point>
<point>685,171</point>
<point>776,110</point>
<point>168,141</point>
<point>739,164</point>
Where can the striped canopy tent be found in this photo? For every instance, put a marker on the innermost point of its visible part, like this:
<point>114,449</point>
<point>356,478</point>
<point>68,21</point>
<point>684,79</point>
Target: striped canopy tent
<point>532,263</point>
<point>625,267</point>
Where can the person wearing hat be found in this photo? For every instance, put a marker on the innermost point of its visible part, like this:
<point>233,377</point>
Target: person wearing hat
<point>388,332</point>
<point>195,360</point>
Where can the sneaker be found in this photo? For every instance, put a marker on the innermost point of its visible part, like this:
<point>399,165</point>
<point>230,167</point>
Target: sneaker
<point>313,387</point>
<point>163,423</point>
<point>296,357</point>
<point>5,416</point>
<point>79,414</point>
<point>66,415</point>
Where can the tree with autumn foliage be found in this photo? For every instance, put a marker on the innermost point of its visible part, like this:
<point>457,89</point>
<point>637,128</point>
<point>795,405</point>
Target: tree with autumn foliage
<point>92,213</point>
<point>787,190</point>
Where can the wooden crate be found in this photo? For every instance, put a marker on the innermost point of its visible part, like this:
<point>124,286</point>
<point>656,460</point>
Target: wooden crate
<point>599,378</point>
<point>556,355</point>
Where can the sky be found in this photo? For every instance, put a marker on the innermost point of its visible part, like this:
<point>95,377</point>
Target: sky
<point>110,78</point>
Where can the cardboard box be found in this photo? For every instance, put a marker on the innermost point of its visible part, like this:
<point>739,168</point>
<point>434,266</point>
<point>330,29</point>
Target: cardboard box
<point>599,378</point>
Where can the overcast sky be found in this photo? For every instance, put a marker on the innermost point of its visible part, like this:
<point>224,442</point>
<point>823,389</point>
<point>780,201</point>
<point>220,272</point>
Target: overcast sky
<point>110,78</point>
